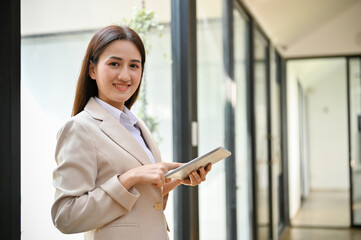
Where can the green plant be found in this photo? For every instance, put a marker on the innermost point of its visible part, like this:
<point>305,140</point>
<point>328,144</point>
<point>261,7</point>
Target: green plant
<point>144,22</point>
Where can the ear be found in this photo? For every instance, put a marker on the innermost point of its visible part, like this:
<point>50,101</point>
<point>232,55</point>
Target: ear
<point>92,71</point>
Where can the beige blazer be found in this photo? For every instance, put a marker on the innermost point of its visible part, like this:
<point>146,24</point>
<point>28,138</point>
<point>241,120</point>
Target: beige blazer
<point>93,148</point>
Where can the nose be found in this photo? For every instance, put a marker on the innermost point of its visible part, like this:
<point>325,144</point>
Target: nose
<point>124,74</point>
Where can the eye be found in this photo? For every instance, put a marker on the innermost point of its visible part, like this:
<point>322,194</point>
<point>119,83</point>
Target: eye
<point>134,66</point>
<point>114,64</point>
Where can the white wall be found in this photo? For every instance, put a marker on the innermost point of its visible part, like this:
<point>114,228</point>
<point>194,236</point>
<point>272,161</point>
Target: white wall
<point>327,119</point>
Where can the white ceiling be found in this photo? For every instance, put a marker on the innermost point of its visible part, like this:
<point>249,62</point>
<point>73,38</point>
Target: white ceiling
<point>309,72</point>
<point>302,28</point>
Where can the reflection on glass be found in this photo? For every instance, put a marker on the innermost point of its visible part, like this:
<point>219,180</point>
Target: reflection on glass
<point>243,187</point>
<point>212,216</point>
<point>260,99</point>
<point>355,130</point>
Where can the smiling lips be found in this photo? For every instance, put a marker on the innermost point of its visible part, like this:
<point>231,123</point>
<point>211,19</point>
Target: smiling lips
<point>121,87</point>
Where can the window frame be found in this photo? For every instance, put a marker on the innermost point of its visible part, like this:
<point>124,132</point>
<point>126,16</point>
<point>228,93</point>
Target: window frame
<point>10,121</point>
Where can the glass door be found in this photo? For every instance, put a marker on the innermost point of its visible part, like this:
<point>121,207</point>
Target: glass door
<point>276,151</point>
<point>261,135</point>
<point>354,93</point>
<point>211,100</point>
<point>242,161</point>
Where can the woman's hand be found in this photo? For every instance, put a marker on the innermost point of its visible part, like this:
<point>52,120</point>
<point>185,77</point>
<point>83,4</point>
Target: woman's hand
<point>196,177</point>
<point>147,174</point>
<point>193,179</point>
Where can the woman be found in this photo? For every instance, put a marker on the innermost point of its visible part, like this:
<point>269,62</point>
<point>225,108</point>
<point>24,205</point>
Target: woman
<point>110,180</point>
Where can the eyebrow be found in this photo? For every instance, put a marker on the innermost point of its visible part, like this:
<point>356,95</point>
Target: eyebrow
<point>120,59</point>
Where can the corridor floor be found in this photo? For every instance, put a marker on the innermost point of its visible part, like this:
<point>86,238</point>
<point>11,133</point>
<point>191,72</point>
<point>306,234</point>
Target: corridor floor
<point>298,233</point>
<point>323,216</point>
<point>324,209</point>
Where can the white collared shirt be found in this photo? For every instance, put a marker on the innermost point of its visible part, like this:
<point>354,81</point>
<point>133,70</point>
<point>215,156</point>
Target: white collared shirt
<point>129,121</point>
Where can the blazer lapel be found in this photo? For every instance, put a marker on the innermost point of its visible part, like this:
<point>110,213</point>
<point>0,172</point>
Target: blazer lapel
<point>150,141</point>
<point>117,132</point>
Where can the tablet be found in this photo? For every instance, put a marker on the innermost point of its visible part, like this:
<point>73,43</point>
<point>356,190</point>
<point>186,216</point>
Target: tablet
<point>213,156</point>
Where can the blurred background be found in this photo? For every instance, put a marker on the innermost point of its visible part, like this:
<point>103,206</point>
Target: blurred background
<point>278,83</point>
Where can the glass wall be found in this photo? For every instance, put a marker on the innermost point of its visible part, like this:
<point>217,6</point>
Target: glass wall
<point>355,135</point>
<point>276,151</point>
<point>242,162</point>
<point>261,130</point>
<point>212,216</point>
<point>49,67</point>
<point>50,64</point>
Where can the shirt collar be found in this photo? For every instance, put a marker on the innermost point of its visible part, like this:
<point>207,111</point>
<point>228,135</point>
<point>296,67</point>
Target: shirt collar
<point>129,116</point>
<point>126,116</point>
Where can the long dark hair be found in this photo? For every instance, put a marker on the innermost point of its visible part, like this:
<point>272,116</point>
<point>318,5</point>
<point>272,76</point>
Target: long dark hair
<point>87,87</point>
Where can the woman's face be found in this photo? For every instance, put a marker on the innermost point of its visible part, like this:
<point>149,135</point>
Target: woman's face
<point>117,73</point>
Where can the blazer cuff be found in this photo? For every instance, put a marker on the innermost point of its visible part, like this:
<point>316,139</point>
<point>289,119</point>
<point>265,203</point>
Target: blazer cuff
<point>121,195</point>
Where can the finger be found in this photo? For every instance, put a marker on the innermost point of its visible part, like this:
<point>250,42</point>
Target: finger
<point>196,177</point>
<point>161,181</point>
<point>193,180</point>
<point>159,178</point>
<point>172,165</point>
<point>202,173</point>
<point>209,167</point>
<point>157,184</point>
<point>163,168</point>
<point>186,181</point>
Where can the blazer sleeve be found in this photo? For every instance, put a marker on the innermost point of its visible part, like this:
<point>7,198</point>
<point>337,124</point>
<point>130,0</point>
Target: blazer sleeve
<point>79,204</point>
